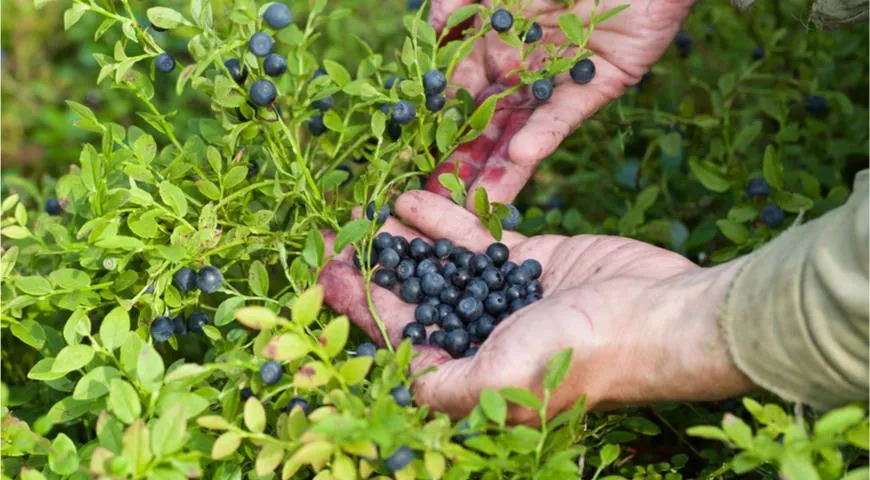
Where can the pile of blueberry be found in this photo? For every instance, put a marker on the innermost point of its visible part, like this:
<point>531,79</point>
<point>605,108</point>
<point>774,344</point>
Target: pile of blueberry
<point>463,293</point>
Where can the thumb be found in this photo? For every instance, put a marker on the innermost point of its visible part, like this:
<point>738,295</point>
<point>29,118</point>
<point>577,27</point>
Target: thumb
<point>444,384</point>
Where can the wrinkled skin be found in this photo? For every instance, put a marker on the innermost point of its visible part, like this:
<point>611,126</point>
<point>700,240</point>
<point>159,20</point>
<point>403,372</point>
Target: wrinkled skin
<point>523,132</point>
<point>639,318</point>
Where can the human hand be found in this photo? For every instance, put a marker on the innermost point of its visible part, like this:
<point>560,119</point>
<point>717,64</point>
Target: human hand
<point>522,131</point>
<point>641,320</point>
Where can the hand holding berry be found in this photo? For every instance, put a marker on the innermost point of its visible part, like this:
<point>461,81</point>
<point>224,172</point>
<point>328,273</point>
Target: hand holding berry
<point>640,319</point>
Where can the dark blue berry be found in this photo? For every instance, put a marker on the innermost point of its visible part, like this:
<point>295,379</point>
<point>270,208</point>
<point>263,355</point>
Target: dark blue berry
<point>463,259</point>
<point>434,103</point>
<point>209,279</point>
<point>316,126</point>
<point>427,265</point>
<point>519,276</point>
<point>471,328</point>
<point>426,314</point>
<point>347,180</point>
<point>469,309</point>
<point>263,93</point>
<point>164,63</point>
<point>496,303</point>
<point>394,130</point>
<point>444,309</point>
<point>583,72</point>
<point>512,221</point>
<point>534,33</point>
<point>385,108</point>
<point>450,295</point>
<point>274,65</point>
<point>383,213</point>
<point>517,305</point>
<point>401,245</point>
<point>758,187</point>
<point>456,342</point>
<point>502,20</point>
<point>324,103</point>
<point>385,278</point>
<point>507,267</point>
<point>246,393</point>
<point>162,329</point>
<point>404,112</point>
<point>436,339</point>
<point>278,16</point>
<point>434,82</point>
<point>816,106</point>
<point>493,277</point>
<point>461,278</point>
<point>542,89</point>
<point>383,240</point>
<point>317,74</point>
<point>758,53</point>
<point>366,350</point>
<point>533,267</point>
<point>389,258</point>
<point>260,44</point>
<point>415,332</point>
<point>684,43</point>
<point>442,248</point>
<point>238,72</point>
<point>298,402</point>
<point>472,351</point>
<point>373,259</point>
<point>532,298</point>
<point>771,215</point>
<point>414,4</point>
<point>185,279</point>
<point>52,206</point>
<point>271,372</point>
<point>406,269</point>
<point>514,292</point>
<point>196,321</point>
<point>433,301</point>
<point>479,263</point>
<point>432,283</point>
<point>448,270</point>
<point>485,326</point>
<point>401,395</point>
<point>498,253</point>
<point>419,249</point>
<point>253,170</point>
<point>391,80</point>
<point>411,291</point>
<point>451,322</point>
<point>534,287</point>
<point>400,459</point>
<point>477,288</point>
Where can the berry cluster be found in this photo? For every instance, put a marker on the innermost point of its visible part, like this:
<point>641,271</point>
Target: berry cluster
<point>464,294</point>
<point>209,279</point>
<point>771,214</point>
<point>164,327</point>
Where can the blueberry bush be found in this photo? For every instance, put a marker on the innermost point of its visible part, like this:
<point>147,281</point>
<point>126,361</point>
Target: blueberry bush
<point>160,312</point>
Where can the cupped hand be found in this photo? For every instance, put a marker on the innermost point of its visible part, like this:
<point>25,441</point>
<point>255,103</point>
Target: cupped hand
<point>640,319</point>
<point>523,131</point>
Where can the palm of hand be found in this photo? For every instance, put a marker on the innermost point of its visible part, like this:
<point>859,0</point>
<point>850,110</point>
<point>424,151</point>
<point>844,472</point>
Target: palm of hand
<point>523,132</point>
<point>590,287</point>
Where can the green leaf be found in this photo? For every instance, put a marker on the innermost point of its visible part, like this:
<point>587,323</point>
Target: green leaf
<point>795,466</point>
<point>269,458</point>
<point>115,328</point>
<point>33,284</point>
<point>609,453</point>
<point>481,202</point>
<point>793,202</point>
<point>572,27</point>
<point>773,168</point>
<point>149,368</point>
<point>747,135</point>
<point>737,430</point>
<point>255,415</point>
<point>314,248</point>
<point>709,177</point>
<point>337,73</point>
<point>557,369</point>
<point>462,14</point>
<point>137,446</point>
<point>351,232</point>
<point>16,232</point>
<point>641,425</point>
<point>225,445</point>
<point>335,335</point>
<point>522,397</point>
<point>173,197</point>
<point>522,439</point>
<point>124,401</point>
<point>445,133</point>
<point>62,458</point>
<point>73,14</point>
<point>736,232</point>
<point>29,332</point>
<point>307,306</point>
<point>258,278</point>
<point>355,370</point>
<point>647,198</point>
<point>838,421</point>
<point>170,431</point>
<point>227,309</point>
<point>165,17</point>
<point>287,347</point>
<point>862,473</point>
<point>493,405</point>
<point>72,357</point>
<point>95,383</point>
<point>481,117</point>
<point>256,317</point>
<point>452,182</point>
<point>610,13</point>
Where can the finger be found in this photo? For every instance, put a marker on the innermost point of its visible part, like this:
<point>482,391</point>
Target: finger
<point>438,217</point>
<point>469,74</point>
<point>393,226</point>
<point>441,10</point>
<point>344,256</point>
<point>449,387</point>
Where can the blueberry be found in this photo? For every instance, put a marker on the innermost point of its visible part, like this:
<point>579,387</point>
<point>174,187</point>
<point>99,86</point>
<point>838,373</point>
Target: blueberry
<point>520,276</point>
<point>404,112</point>
<point>542,89</point>
<point>401,246</point>
<point>400,459</point>
<point>164,63</point>
<point>260,44</point>
<point>442,248</point>
<point>502,20</point>
<point>411,291</point>
<point>479,263</point>
<point>448,270</point>
<point>401,395</point>
<point>263,93</point>
<point>532,298</point>
<point>461,278</point>
<point>209,279</point>
<point>278,16</point>
<point>433,301</point>
<point>507,267</point>
<point>436,339</point>
<point>385,278</point>
<point>457,252</point>
<point>534,287</point>
<point>324,103</point>
<point>816,105</point>
<point>583,71</point>
<point>316,126</point>
<point>185,279</point>
<point>150,289</point>
<point>415,332</point>
<point>758,187</point>
<point>385,108</point>
<point>246,393</point>
<point>463,259</point>
<point>390,81</point>
<point>496,303</point>
<point>684,43</point>
<point>456,342</point>
<point>462,437</point>
<point>517,305</point>
<point>512,221</point>
<point>406,269</point>
<point>771,215</point>
<point>414,4</point>
<point>420,249</point>
<point>162,329</point>
<point>471,328</point>
<point>758,53</point>
<point>345,168</point>
<point>366,350</point>
<point>271,372</point>
<point>514,292</point>
<point>485,326</point>
<point>426,314</point>
<point>389,258</point>
<point>427,265</point>
<point>493,277</point>
<point>432,283</point>
<point>253,170</point>
<point>373,259</point>
<point>298,402</point>
<point>533,267</point>
<point>470,352</point>
<point>383,213</point>
<point>274,65</point>
<point>498,253</point>
<point>534,33</point>
<point>450,295</point>
<point>383,240</point>
<point>196,321</point>
<point>156,28</point>
<point>237,71</point>
<point>469,309</point>
<point>477,288</point>
<point>451,322</point>
<point>52,206</point>
<point>434,103</point>
<point>434,82</point>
